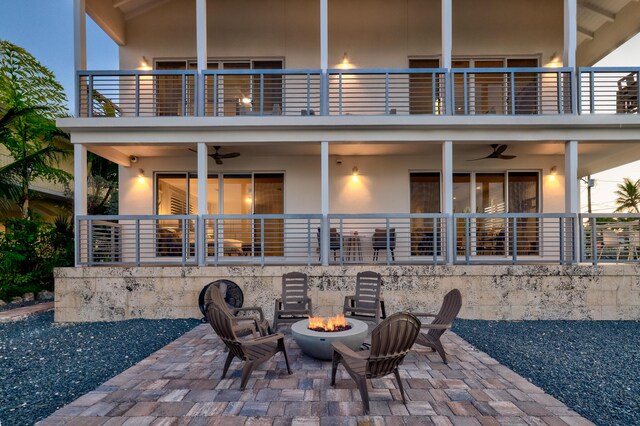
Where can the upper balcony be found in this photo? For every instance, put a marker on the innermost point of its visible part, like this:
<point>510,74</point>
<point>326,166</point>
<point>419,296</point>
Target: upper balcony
<point>359,92</point>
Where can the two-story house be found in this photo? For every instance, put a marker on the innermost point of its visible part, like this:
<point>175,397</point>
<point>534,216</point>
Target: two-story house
<point>440,142</point>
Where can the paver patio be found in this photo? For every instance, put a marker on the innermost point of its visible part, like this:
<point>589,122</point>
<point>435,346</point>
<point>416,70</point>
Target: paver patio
<point>180,385</point>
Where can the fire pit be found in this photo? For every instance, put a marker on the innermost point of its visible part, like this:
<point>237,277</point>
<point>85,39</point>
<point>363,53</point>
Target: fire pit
<point>317,344</point>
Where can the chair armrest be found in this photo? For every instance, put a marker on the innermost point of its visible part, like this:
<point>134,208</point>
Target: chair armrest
<point>249,309</point>
<point>348,300</point>
<point>347,352</point>
<point>264,339</point>
<point>436,326</point>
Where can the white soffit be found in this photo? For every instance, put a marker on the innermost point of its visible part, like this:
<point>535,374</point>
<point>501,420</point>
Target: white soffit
<point>132,8</point>
<point>593,14</point>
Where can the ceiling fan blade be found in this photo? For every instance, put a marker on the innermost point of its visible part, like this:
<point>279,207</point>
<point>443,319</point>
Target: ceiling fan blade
<point>217,158</point>
<point>483,158</point>
<point>506,157</point>
<point>229,155</point>
<point>499,150</point>
<point>192,150</point>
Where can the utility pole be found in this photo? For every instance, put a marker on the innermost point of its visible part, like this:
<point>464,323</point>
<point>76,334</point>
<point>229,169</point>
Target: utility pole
<point>590,184</point>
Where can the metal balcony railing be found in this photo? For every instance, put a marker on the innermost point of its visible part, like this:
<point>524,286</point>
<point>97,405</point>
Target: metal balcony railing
<point>610,238</point>
<point>608,90</point>
<point>460,91</point>
<point>136,93</point>
<point>515,238</point>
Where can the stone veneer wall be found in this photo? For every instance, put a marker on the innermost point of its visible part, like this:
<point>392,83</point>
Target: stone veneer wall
<point>522,292</point>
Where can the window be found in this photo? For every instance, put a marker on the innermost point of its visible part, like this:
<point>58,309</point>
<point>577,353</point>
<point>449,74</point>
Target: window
<point>425,198</point>
<point>523,198</point>
<point>424,92</point>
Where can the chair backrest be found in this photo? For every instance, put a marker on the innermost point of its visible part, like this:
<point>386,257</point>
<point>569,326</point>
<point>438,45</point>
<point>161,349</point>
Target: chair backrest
<point>368,289</point>
<point>214,296</point>
<point>222,324</point>
<point>294,290</point>
<point>449,310</point>
<point>379,238</point>
<point>391,340</point>
<point>334,238</point>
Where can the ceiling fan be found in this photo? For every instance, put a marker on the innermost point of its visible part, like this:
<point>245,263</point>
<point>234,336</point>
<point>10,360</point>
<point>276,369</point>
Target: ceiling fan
<point>497,153</point>
<point>218,157</point>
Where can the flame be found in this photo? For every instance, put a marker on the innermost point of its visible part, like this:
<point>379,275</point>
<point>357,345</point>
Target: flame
<point>328,324</point>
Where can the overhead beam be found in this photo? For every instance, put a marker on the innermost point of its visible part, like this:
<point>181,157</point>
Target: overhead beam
<point>110,19</point>
<point>122,3</point>
<point>111,154</point>
<point>589,34</point>
<point>609,16</point>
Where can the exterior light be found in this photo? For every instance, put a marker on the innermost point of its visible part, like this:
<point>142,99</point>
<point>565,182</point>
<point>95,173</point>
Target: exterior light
<point>344,63</point>
<point>354,174</point>
<point>555,61</point>
<point>246,101</point>
<point>145,63</point>
<point>140,175</point>
<point>554,173</point>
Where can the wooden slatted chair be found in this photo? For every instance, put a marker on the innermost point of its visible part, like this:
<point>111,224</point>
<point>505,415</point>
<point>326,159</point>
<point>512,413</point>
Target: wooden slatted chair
<point>253,351</point>
<point>294,304</point>
<point>366,304</point>
<point>442,321</point>
<point>243,324</point>
<point>391,340</point>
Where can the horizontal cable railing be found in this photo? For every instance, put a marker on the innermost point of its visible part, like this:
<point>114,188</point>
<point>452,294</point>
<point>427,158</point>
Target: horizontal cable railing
<point>404,91</point>
<point>514,238</point>
<point>387,91</point>
<point>262,239</point>
<point>136,240</point>
<point>136,93</point>
<point>387,238</point>
<point>511,91</point>
<point>261,92</point>
<point>608,90</point>
<point>610,238</point>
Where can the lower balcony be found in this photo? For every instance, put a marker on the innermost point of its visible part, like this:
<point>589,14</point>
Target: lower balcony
<point>388,239</point>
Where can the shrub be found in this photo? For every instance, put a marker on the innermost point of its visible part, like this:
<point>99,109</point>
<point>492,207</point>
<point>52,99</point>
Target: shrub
<point>29,251</point>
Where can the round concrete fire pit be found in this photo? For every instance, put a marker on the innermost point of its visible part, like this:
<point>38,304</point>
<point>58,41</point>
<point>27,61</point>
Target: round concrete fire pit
<point>317,344</point>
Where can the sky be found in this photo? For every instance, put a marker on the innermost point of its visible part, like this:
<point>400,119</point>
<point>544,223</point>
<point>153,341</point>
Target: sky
<point>45,29</point>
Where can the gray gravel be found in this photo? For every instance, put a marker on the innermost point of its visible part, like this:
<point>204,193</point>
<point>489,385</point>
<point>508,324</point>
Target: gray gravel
<point>44,366</point>
<point>591,366</point>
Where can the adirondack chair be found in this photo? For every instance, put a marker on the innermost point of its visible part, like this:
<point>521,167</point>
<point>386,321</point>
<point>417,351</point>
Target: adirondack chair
<point>294,304</point>
<point>391,340</point>
<point>253,351</point>
<point>366,304</point>
<point>441,322</point>
<point>243,324</point>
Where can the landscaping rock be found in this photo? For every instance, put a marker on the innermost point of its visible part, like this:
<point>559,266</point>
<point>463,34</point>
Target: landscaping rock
<point>2,302</point>
<point>16,299</point>
<point>45,295</point>
<point>28,297</point>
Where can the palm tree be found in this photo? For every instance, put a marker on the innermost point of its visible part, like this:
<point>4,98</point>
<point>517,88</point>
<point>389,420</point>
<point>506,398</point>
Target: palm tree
<point>628,196</point>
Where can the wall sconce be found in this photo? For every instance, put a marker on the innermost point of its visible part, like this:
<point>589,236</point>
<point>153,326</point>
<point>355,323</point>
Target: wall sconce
<point>141,175</point>
<point>354,174</point>
<point>554,173</point>
<point>555,61</point>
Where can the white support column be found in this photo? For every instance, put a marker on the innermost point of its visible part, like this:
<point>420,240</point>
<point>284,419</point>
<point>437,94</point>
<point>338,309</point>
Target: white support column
<point>447,48</point>
<point>572,190</point>
<point>570,33</point>
<point>80,194</point>
<point>203,174</point>
<point>201,47</point>
<point>324,196</point>
<point>79,45</point>
<point>324,57</point>
<point>447,197</point>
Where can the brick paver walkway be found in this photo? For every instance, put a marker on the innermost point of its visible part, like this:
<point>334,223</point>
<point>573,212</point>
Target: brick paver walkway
<point>180,385</point>
<point>20,313</point>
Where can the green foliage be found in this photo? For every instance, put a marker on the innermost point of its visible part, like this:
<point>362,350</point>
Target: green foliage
<point>628,194</point>
<point>29,250</point>
<point>30,100</point>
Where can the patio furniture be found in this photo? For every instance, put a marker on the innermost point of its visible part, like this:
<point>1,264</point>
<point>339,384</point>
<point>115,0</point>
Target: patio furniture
<point>391,340</point>
<point>334,241</point>
<point>294,304</point>
<point>627,94</point>
<point>441,322</point>
<point>380,240</point>
<point>231,293</point>
<point>352,246</point>
<point>253,351</point>
<point>366,304</point>
<point>610,243</point>
<point>243,324</point>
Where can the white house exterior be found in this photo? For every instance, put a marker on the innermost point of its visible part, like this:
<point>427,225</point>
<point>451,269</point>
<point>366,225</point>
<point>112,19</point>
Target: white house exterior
<point>363,129</point>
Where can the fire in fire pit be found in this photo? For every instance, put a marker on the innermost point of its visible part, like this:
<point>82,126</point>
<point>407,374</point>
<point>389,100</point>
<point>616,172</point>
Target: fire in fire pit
<point>335,323</point>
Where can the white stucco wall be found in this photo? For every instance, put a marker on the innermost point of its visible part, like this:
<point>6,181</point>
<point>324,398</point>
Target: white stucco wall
<point>374,33</point>
<point>382,187</point>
